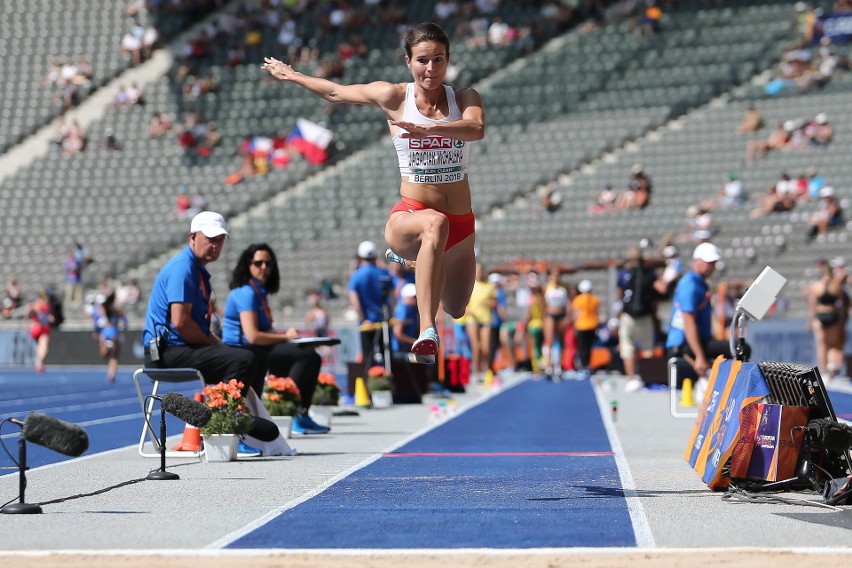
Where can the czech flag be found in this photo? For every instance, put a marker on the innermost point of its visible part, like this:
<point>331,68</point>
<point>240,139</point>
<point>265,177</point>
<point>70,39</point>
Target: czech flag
<point>310,140</point>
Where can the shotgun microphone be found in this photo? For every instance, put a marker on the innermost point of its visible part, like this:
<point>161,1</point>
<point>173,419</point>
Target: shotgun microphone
<point>52,433</point>
<point>190,411</point>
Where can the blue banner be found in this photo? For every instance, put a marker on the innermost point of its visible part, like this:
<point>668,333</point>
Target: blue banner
<point>836,26</point>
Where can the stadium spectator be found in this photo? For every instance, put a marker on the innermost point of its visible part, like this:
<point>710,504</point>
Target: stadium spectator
<point>752,121</point>
<point>445,9</point>
<point>605,201</point>
<point>127,295</point>
<point>551,200</point>
<point>131,46</point>
<point>731,194</point>
<point>73,275</point>
<point>317,317</point>
<point>777,139</point>
<point>110,143</point>
<point>12,298</point>
<point>828,309</point>
<point>818,132</point>
<point>160,124</point>
<point>828,216</point>
<point>781,196</point>
<point>815,182</point>
<point>75,141</point>
<point>638,193</point>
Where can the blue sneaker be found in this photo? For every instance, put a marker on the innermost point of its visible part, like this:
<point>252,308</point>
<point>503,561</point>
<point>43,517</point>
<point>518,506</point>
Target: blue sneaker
<point>310,422</point>
<point>303,426</point>
<point>426,347</point>
<point>391,256</point>
<point>245,450</point>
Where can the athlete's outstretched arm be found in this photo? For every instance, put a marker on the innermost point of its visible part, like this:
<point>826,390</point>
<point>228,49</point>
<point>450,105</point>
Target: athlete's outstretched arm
<point>379,93</point>
<point>470,127</point>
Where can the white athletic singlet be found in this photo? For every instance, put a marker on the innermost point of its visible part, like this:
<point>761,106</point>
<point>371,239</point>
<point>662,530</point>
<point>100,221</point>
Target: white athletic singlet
<point>434,159</point>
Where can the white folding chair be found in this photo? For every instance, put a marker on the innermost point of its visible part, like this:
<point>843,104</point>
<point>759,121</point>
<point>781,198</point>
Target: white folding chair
<point>157,376</point>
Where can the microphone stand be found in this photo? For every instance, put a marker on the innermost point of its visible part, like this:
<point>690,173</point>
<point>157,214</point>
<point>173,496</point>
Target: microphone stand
<point>21,508</point>
<point>161,473</point>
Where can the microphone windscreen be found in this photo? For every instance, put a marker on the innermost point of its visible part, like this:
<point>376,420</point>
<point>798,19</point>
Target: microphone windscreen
<point>190,411</point>
<point>55,434</point>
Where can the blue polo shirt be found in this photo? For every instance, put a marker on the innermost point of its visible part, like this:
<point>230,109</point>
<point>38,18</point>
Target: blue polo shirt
<point>243,299</point>
<point>692,295</point>
<point>411,327</point>
<point>179,281</point>
<point>370,283</point>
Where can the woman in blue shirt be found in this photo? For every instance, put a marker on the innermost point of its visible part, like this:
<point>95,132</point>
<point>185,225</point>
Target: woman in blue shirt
<point>248,323</point>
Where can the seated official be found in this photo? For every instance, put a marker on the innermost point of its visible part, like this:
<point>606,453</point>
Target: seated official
<point>177,323</point>
<point>248,325</point>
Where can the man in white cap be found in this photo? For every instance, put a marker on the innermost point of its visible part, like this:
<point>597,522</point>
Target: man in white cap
<point>369,293</point>
<point>177,325</point>
<point>691,329</point>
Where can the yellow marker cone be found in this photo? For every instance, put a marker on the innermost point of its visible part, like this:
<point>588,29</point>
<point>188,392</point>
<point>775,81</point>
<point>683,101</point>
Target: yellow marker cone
<point>686,393</point>
<point>489,378</point>
<point>362,397</point>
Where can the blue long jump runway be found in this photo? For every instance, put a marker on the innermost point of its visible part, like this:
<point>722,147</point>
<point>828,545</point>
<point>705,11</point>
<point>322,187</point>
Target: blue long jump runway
<point>529,468</point>
<point>109,413</point>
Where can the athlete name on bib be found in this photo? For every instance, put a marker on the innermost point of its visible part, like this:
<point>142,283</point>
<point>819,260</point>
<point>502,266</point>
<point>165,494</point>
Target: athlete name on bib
<point>435,159</point>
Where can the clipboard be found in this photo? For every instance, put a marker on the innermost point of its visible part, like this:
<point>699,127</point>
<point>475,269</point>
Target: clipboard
<point>315,341</point>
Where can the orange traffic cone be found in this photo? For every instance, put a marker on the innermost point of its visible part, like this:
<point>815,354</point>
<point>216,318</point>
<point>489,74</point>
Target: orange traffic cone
<point>191,441</point>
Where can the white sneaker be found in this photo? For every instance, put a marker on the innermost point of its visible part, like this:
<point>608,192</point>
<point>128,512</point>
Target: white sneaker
<point>634,385</point>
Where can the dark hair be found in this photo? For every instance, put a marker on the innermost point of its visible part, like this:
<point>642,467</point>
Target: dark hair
<point>242,275</point>
<point>426,31</point>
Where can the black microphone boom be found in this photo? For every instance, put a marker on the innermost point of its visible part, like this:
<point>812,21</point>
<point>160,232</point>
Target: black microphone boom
<point>190,411</point>
<point>55,434</point>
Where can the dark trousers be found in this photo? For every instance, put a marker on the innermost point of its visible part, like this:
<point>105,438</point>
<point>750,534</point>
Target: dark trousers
<point>216,362</point>
<point>585,340</point>
<point>302,364</point>
<point>371,341</point>
<point>220,363</point>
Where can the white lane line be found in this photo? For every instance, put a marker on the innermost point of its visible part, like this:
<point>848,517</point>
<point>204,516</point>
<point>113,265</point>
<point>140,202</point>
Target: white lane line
<point>95,422</point>
<point>641,528</point>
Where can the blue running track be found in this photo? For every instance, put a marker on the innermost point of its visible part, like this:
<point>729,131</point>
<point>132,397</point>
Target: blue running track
<point>529,468</point>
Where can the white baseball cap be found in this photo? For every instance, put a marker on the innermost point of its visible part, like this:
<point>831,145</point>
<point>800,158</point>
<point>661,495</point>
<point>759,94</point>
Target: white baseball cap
<point>210,223</point>
<point>708,252</point>
<point>584,286</point>
<point>408,291</point>
<point>368,250</point>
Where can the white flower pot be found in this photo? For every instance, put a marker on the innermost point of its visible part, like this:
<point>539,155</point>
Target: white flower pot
<point>221,447</point>
<point>321,414</point>
<point>382,399</point>
<point>284,423</point>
